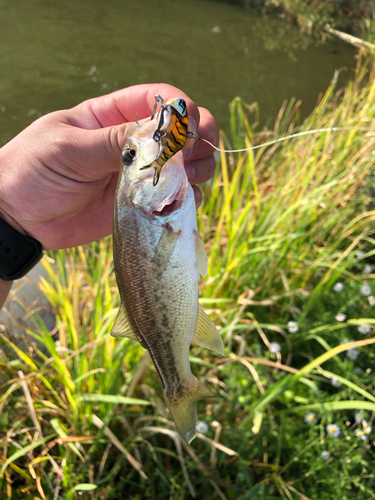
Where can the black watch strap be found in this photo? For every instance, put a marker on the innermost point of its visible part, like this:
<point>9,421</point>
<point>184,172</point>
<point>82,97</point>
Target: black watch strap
<point>18,253</point>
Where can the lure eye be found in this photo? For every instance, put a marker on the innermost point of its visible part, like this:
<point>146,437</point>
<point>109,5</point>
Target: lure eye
<point>128,156</point>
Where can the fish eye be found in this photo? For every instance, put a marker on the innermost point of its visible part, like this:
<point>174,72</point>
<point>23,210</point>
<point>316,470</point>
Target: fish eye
<point>128,156</point>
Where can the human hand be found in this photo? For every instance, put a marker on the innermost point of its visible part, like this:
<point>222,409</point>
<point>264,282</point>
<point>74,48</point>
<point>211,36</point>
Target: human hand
<point>58,177</point>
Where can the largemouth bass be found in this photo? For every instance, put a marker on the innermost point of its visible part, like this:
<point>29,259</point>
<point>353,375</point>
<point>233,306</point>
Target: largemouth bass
<point>158,260</point>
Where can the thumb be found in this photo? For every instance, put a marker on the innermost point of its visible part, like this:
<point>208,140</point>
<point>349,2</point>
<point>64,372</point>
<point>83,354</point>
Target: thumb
<point>90,155</point>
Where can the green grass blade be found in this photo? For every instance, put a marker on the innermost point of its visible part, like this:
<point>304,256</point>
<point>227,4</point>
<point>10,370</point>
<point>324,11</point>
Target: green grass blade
<point>109,398</point>
<point>24,451</point>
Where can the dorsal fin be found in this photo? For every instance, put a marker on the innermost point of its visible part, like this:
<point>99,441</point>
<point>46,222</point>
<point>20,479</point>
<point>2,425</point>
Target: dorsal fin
<point>206,334</point>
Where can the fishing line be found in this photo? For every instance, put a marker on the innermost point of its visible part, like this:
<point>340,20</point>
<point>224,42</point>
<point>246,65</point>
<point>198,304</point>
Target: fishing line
<point>194,135</point>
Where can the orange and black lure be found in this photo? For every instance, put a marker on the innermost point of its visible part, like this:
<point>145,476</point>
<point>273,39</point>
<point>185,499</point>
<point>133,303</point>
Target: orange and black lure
<point>171,131</point>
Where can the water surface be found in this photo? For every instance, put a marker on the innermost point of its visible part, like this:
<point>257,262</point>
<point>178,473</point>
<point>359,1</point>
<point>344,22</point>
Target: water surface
<point>56,54</point>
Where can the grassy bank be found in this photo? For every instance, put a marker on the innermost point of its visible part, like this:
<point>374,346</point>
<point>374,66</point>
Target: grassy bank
<point>289,231</point>
<point>313,16</point>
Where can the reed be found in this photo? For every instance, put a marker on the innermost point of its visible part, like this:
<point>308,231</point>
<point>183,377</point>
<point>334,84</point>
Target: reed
<point>82,414</point>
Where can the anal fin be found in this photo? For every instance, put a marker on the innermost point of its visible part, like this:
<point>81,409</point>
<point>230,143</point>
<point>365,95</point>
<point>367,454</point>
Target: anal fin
<point>206,334</point>
<point>121,327</point>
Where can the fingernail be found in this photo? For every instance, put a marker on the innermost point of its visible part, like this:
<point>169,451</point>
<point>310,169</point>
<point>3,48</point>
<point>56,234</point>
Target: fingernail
<point>188,148</point>
<point>190,172</point>
<point>192,124</point>
<point>187,152</point>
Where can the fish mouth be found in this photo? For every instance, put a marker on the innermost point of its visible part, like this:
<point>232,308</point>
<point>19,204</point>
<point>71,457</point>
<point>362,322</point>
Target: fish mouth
<point>168,209</point>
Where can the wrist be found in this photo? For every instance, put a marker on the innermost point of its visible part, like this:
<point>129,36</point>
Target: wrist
<point>12,222</point>
<point>5,287</point>
<point>7,178</point>
<point>9,188</point>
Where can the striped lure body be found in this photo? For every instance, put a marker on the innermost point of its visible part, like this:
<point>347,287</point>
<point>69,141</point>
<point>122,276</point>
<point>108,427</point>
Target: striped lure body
<point>158,260</point>
<point>171,131</point>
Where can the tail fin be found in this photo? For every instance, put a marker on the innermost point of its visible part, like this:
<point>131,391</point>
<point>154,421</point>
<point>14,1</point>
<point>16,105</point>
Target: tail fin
<point>183,407</point>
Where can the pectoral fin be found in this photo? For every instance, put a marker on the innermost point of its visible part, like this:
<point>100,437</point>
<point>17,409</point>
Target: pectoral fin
<point>122,327</point>
<point>201,261</point>
<point>206,334</point>
<point>165,248</point>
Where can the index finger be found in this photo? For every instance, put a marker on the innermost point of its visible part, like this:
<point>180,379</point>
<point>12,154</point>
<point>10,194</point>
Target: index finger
<point>123,106</point>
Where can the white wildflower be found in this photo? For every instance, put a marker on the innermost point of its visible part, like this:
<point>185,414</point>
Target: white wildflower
<point>338,287</point>
<point>333,430</point>
<point>292,327</point>
<point>326,454</point>
<point>371,300</point>
<point>365,290</point>
<point>358,416</point>
<point>335,382</point>
<point>364,329</point>
<point>274,347</point>
<point>341,317</point>
<point>367,269</point>
<point>360,254</point>
<point>201,427</point>
<point>357,369</point>
<point>361,434</point>
<point>366,427</point>
<point>352,353</point>
<point>310,418</point>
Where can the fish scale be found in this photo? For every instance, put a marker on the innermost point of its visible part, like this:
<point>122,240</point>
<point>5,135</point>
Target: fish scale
<point>167,298</point>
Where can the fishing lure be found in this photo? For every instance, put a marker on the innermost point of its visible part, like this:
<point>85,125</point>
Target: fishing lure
<point>171,131</point>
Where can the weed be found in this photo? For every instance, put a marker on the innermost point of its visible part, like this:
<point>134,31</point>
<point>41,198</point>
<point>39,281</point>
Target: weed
<point>289,231</point>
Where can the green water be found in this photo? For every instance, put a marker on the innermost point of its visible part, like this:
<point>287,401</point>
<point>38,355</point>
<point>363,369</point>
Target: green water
<point>56,54</point>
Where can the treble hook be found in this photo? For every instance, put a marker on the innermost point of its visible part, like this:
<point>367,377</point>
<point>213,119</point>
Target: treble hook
<point>158,100</point>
